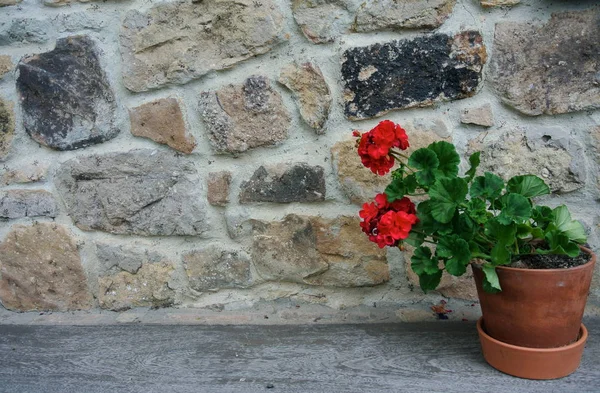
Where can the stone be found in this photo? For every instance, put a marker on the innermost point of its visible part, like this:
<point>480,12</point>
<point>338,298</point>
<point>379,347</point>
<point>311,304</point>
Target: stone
<point>173,43</point>
<point>25,174</point>
<point>323,21</point>
<point>162,121</point>
<point>411,73</point>
<point>317,251</point>
<point>115,259</point>
<point>310,91</point>
<point>77,21</point>
<point>480,116</point>
<point>140,192</point>
<point>27,203</point>
<point>148,287</point>
<point>284,184</point>
<point>6,64</point>
<point>60,3</point>
<point>361,185</point>
<point>238,222</point>
<point>26,31</point>
<point>66,100</point>
<point>7,127</point>
<point>498,3</point>
<point>40,269</point>
<point>214,268</point>
<point>548,152</point>
<point>218,188</point>
<point>4,3</point>
<point>558,67</point>
<point>241,117</point>
<point>375,15</point>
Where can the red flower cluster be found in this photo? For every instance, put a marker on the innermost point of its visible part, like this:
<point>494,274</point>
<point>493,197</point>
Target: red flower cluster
<point>374,146</point>
<point>386,223</point>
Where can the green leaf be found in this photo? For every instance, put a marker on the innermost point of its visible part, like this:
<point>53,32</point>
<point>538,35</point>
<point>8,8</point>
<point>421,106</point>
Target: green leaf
<point>488,186</point>
<point>500,255</point>
<point>399,187</point>
<point>503,234</point>
<point>428,224</point>
<point>542,215</point>
<point>477,209</point>
<point>570,228</point>
<point>446,195</point>
<point>528,185</point>
<point>474,160</point>
<point>447,156</point>
<point>560,244</point>
<point>429,282</point>
<point>425,161</point>
<point>458,251</point>
<point>422,262</point>
<point>491,283</point>
<point>516,209</point>
<point>464,226</point>
<point>524,231</point>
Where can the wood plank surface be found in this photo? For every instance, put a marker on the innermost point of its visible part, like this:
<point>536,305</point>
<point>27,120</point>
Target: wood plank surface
<point>420,357</point>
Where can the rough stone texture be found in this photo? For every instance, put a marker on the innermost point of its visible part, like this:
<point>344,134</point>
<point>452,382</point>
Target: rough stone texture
<point>548,152</point>
<point>66,100</point>
<point>7,127</point>
<point>148,287</point>
<point>25,174</point>
<point>218,188</point>
<point>114,259</point>
<point>409,14</point>
<point>310,91</point>
<point>323,21</point>
<point>284,184</point>
<point>360,184</point>
<point>6,65</point>
<point>481,116</point>
<point>4,3</point>
<point>241,117</point>
<point>462,287</point>
<point>141,192</point>
<point>499,3</point>
<point>40,269</point>
<point>180,41</point>
<point>214,268</point>
<point>411,73</point>
<point>27,203</point>
<point>77,21</point>
<point>162,121</point>
<point>60,3</point>
<point>558,67</point>
<point>317,251</point>
<point>26,31</point>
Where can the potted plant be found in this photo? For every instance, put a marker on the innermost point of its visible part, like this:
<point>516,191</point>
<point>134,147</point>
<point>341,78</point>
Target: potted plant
<point>530,266</point>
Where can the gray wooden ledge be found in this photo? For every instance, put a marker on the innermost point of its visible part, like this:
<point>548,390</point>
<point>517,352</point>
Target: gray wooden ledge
<point>439,356</point>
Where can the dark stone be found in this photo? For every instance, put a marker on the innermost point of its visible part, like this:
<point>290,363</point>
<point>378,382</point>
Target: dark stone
<point>411,73</point>
<point>298,183</point>
<point>66,99</point>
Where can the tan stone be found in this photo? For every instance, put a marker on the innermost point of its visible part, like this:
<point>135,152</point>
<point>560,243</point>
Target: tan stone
<point>4,3</point>
<point>481,116</point>
<point>359,183</point>
<point>7,127</point>
<point>218,188</point>
<point>214,268</point>
<point>375,15</point>
<point>177,42</point>
<point>322,21</point>
<point>60,3</point>
<point>162,121</point>
<point>310,91</point>
<point>6,64</point>
<point>499,3</point>
<point>25,174</point>
<point>40,269</point>
<point>149,287</point>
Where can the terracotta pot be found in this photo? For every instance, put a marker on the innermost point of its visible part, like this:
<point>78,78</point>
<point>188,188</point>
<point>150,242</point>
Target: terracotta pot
<point>532,363</point>
<point>537,308</point>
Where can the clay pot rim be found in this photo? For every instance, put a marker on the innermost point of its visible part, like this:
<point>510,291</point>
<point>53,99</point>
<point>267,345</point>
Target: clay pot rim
<point>549,271</point>
<point>583,335</point>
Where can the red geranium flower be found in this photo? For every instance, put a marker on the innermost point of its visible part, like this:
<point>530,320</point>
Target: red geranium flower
<point>374,146</point>
<point>387,223</point>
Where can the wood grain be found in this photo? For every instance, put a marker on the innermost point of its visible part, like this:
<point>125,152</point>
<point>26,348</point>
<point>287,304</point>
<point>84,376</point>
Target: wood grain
<point>422,357</point>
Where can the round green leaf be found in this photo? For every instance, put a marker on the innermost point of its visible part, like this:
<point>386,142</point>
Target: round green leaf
<point>488,186</point>
<point>446,195</point>
<point>516,208</point>
<point>422,263</point>
<point>491,282</point>
<point>447,156</point>
<point>429,282</point>
<point>528,185</point>
<point>426,162</point>
<point>458,252</point>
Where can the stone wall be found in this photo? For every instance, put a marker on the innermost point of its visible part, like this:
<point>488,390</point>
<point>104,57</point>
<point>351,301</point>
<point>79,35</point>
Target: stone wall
<point>199,153</point>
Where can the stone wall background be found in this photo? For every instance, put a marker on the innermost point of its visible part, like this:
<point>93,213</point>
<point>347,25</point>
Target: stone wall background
<point>185,161</point>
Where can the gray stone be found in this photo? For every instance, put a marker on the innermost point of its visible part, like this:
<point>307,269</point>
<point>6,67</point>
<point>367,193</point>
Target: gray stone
<point>114,259</point>
<point>141,192</point>
<point>548,152</point>
<point>60,3</point>
<point>26,31</point>
<point>311,93</point>
<point>284,184</point>
<point>77,21</point>
<point>218,188</point>
<point>480,116</point>
<point>66,100</point>
<point>181,41</point>
<point>411,73</point>
<point>40,269</point>
<point>241,117</point>
<point>323,21</point>
<point>393,14</point>
<point>214,268</point>
<point>557,67</point>
<point>7,127</point>
<point>27,203</point>
<point>238,222</point>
